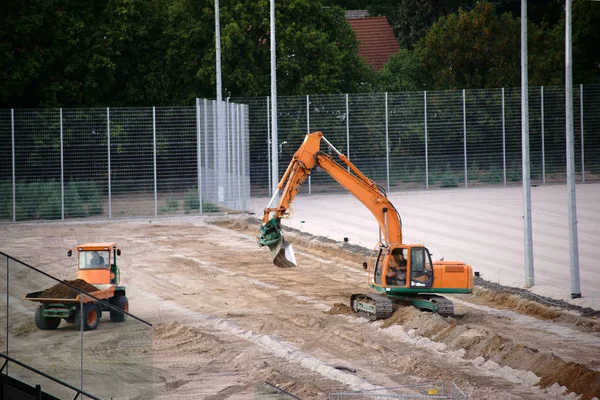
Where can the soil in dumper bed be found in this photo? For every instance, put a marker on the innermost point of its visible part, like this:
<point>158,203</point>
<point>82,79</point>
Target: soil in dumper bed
<point>60,291</point>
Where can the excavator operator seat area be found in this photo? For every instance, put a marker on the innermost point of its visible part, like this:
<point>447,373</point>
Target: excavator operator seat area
<point>421,271</point>
<point>390,267</point>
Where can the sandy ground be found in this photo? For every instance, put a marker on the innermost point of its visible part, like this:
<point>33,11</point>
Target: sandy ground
<point>480,226</point>
<point>225,321</point>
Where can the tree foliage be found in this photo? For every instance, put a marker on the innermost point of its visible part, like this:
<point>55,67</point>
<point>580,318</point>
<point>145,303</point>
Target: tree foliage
<point>403,73</point>
<point>75,53</point>
<point>479,49</point>
<point>134,52</point>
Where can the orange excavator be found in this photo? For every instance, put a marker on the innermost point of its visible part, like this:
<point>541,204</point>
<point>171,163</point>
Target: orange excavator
<point>402,273</point>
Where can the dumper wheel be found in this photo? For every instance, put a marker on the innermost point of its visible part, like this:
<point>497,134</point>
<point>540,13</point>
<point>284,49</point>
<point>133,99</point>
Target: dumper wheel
<point>90,317</point>
<point>121,303</point>
<point>45,323</point>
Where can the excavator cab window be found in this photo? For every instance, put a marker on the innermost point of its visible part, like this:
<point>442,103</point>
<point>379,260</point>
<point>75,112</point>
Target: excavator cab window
<point>421,272</point>
<point>377,260</point>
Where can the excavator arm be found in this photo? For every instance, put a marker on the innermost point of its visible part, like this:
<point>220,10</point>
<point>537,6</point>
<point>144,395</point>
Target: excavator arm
<point>305,160</point>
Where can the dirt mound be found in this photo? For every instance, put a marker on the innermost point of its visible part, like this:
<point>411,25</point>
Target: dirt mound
<point>528,307</point>
<point>574,376</point>
<point>339,308</point>
<point>478,343</point>
<point>303,390</point>
<point>527,294</point>
<point>61,291</point>
<point>517,303</point>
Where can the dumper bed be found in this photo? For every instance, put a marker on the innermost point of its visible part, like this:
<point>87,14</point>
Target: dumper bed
<point>103,292</point>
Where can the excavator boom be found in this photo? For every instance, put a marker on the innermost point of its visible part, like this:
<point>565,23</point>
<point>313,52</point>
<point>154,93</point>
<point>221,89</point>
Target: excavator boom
<point>305,160</point>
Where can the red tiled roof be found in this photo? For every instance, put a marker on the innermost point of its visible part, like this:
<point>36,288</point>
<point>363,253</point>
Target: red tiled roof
<point>376,40</point>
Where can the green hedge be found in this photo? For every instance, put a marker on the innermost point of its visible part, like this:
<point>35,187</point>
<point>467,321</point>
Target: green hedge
<point>42,200</point>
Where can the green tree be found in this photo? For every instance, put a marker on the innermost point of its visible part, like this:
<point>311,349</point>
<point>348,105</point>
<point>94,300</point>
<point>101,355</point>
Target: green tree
<point>72,53</point>
<point>139,53</point>
<point>317,51</point>
<point>479,49</point>
<point>586,43</point>
<point>402,73</point>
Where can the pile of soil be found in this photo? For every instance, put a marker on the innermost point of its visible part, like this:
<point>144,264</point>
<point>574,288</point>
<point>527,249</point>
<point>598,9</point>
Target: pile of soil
<point>61,291</point>
<point>339,308</point>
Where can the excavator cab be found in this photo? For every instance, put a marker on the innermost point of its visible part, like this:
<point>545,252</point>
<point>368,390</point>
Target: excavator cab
<point>401,266</point>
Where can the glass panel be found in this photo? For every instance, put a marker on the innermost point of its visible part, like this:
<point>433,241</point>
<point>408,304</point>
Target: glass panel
<point>379,267</point>
<point>38,334</point>
<point>118,352</point>
<point>416,259</point>
<point>94,259</point>
<point>33,379</point>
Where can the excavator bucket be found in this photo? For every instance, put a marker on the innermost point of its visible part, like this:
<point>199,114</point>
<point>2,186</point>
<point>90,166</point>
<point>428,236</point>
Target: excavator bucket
<point>282,252</point>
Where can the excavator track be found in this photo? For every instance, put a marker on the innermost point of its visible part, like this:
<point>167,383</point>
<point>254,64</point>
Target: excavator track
<point>371,306</point>
<point>445,307</point>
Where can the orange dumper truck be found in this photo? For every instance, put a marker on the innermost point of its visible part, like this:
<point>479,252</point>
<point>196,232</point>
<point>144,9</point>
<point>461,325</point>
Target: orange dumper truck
<point>97,275</point>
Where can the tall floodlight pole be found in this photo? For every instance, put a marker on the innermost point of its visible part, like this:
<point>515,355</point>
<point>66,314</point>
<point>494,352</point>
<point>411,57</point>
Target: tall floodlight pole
<point>573,246</point>
<point>528,236</point>
<point>220,119</point>
<point>274,152</point>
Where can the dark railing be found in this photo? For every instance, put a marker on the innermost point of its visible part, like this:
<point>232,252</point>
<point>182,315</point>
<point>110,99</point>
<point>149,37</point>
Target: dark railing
<point>8,359</point>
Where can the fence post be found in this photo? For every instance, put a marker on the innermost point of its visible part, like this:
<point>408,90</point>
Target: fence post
<point>387,145</point>
<point>228,149</point>
<point>271,189</point>
<point>347,131</point>
<point>62,170</point>
<point>234,144</point>
<point>503,139</point>
<point>243,155</point>
<point>222,163</point>
<point>14,182</point>
<point>465,136</point>
<point>199,154</point>
<point>205,113</point>
<point>581,126</point>
<point>154,161</point>
<point>238,158</point>
<point>215,152</point>
<point>543,139</point>
<point>426,149</point>
<point>307,132</point>
<point>109,173</point>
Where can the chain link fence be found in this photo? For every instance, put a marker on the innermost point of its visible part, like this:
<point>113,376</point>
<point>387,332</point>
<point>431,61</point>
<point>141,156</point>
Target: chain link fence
<point>422,140</point>
<point>122,162</point>
<point>153,161</point>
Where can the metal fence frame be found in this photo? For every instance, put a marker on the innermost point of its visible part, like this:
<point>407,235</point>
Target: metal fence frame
<point>155,151</point>
<point>377,130</point>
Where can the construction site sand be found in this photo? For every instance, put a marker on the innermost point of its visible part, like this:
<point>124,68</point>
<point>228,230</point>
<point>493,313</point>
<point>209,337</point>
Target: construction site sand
<point>226,320</point>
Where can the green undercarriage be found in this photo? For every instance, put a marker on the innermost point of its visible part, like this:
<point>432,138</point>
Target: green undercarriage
<point>427,299</point>
<point>58,311</point>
